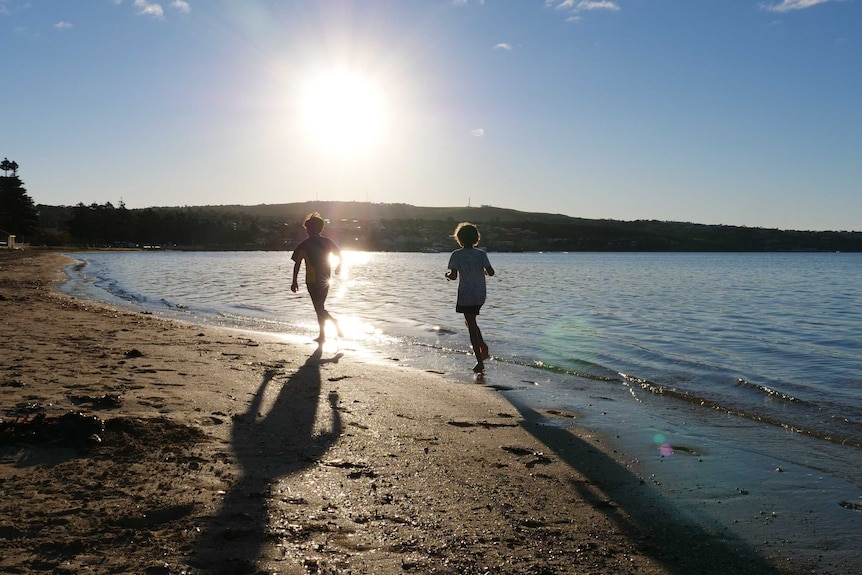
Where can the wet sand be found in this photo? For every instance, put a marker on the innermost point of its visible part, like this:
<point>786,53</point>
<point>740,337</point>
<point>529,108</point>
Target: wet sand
<point>133,444</point>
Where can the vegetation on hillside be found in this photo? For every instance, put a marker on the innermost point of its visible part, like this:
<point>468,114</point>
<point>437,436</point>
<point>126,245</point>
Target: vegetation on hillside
<point>375,227</point>
<point>403,227</point>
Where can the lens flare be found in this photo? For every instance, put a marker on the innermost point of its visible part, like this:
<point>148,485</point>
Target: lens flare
<point>664,447</point>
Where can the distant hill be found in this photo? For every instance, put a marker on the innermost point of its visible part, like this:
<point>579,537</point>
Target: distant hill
<point>404,227</point>
<point>372,212</point>
<point>514,230</point>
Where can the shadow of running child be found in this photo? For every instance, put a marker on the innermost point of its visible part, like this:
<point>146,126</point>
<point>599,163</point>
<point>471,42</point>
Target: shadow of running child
<point>268,447</point>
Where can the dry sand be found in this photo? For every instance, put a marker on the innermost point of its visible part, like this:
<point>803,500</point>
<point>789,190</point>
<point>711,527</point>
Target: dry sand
<point>133,444</point>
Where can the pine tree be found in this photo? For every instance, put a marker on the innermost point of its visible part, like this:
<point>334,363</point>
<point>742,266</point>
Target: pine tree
<point>18,213</point>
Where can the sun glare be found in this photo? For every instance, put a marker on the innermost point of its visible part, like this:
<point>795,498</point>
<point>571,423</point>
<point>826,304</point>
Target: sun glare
<point>342,112</point>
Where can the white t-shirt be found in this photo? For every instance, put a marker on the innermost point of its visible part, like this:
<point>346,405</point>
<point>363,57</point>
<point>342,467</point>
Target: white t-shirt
<point>470,263</point>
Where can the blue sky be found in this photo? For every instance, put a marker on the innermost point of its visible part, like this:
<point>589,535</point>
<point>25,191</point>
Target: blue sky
<point>734,112</point>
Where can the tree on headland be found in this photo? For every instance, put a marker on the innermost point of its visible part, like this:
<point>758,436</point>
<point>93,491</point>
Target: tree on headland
<point>8,166</point>
<point>18,213</point>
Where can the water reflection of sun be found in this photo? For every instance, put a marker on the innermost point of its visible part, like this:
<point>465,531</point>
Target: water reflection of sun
<point>349,259</point>
<point>352,326</point>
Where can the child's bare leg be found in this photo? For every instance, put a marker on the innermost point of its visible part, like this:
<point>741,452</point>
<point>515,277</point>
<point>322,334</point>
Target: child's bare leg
<point>337,326</point>
<point>476,341</point>
<point>321,322</point>
<point>318,299</point>
<point>483,347</point>
<point>334,321</point>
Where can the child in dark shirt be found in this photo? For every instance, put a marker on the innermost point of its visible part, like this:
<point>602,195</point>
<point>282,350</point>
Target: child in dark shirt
<point>315,251</point>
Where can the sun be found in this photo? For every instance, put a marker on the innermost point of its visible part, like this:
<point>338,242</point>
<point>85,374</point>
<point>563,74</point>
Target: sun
<point>342,112</point>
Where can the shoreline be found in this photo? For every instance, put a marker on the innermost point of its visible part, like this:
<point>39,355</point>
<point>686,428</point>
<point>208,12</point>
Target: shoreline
<point>229,452</point>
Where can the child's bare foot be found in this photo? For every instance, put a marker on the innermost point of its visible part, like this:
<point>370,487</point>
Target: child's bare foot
<point>483,351</point>
<point>479,368</point>
<point>319,339</point>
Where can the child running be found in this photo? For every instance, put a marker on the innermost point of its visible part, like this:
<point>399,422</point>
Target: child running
<point>315,251</point>
<point>470,265</point>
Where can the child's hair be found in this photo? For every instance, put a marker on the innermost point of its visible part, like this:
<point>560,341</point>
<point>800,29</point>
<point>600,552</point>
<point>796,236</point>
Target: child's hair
<point>314,223</point>
<point>467,234</point>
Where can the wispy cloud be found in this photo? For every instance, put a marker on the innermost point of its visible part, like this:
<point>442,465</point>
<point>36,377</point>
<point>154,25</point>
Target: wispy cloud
<point>147,9</point>
<point>477,133</point>
<point>181,6</point>
<point>582,5</point>
<point>62,25</point>
<point>791,5</point>
<point>8,8</point>
<point>601,5</point>
<point>575,7</point>
<point>502,46</point>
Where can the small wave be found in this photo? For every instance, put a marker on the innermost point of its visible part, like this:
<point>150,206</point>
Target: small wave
<point>768,391</point>
<point>253,308</point>
<point>707,403</point>
<point>572,372</point>
<point>535,364</point>
<point>441,330</point>
<point>171,305</point>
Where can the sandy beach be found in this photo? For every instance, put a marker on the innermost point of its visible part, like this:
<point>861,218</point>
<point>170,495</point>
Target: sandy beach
<point>134,444</point>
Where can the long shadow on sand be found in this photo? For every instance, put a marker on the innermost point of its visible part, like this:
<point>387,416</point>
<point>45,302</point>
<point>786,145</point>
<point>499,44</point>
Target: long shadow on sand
<point>267,447</point>
<point>663,531</point>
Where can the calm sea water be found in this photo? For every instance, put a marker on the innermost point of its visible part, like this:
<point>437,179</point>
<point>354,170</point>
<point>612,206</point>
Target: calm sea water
<point>752,359</point>
<point>773,337</point>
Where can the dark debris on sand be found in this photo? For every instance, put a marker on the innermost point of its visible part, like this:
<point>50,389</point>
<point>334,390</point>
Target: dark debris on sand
<point>121,495</point>
<point>71,430</point>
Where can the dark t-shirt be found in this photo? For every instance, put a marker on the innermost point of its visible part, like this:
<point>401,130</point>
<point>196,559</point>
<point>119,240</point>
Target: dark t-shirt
<point>315,251</point>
